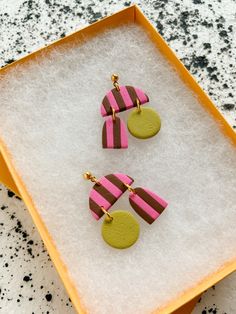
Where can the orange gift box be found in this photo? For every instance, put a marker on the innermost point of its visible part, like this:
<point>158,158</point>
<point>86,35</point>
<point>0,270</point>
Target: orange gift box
<point>9,176</point>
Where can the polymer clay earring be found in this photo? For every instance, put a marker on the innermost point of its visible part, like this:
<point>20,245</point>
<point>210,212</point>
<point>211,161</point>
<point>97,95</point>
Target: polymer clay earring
<point>119,229</point>
<point>146,203</point>
<point>142,122</point>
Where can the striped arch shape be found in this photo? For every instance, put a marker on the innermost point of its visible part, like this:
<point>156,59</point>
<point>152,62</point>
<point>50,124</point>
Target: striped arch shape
<point>105,193</point>
<point>114,134</point>
<point>147,204</point>
<point>122,100</point>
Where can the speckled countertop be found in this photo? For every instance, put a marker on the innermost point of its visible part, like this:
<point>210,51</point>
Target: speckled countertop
<point>201,32</point>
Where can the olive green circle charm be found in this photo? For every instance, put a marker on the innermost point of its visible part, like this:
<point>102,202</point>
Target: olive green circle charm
<point>122,231</point>
<point>144,123</point>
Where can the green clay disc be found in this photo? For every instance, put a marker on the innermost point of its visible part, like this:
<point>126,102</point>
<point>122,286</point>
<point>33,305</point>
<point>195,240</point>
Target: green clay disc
<point>144,124</point>
<point>122,231</point>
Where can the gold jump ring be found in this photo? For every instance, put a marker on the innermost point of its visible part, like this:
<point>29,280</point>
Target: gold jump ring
<point>106,213</point>
<point>138,105</point>
<point>115,79</point>
<point>130,189</point>
<point>113,114</point>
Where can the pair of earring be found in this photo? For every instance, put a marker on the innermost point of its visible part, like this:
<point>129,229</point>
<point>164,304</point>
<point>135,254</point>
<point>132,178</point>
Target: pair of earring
<point>120,229</point>
<point>142,122</point>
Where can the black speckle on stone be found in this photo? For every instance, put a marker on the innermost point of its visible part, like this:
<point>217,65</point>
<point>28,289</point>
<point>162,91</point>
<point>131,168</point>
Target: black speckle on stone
<point>213,310</point>
<point>10,61</point>
<point>48,297</point>
<point>159,4</point>
<point>27,278</point>
<point>160,27</point>
<point>65,9</point>
<point>207,24</point>
<point>214,77</point>
<point>24,234</point>
<point>97,15</point>
<point>222,50</point>
<point>184,16</point>
<point>200,61</point>
<point>174,22</point>
<point>228,106</point>
<point>220,25</point>
<point>197,1</point>
<point>127,3</point>
<point>29,250</point>
<point>223,33</point>
<point>211,69</point>
<point>10,193</point>
<point>172,37</point>
<point>207,45</point>
<point>161,15</point>
<point>220,19</point>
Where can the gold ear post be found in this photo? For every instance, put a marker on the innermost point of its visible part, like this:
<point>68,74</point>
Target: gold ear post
<point>109,218</point>
<point>138,105</point>
<point>88,176</point>
<point>115,79</point>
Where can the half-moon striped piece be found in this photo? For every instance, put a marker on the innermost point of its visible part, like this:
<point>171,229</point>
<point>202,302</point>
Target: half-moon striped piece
<point>107,191</point>
<point>122,100</point>
<point>147,204</point>
<point>114,134</point>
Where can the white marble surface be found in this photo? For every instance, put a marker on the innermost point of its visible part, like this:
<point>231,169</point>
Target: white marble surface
<point>201,32</point>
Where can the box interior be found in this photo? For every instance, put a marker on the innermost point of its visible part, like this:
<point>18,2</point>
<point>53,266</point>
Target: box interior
<point>50,121</point>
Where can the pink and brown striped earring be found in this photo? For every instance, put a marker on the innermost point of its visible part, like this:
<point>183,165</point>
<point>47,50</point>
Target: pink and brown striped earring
<point>120,229</point>
<point>146,203</point>
<point>142,122</point>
